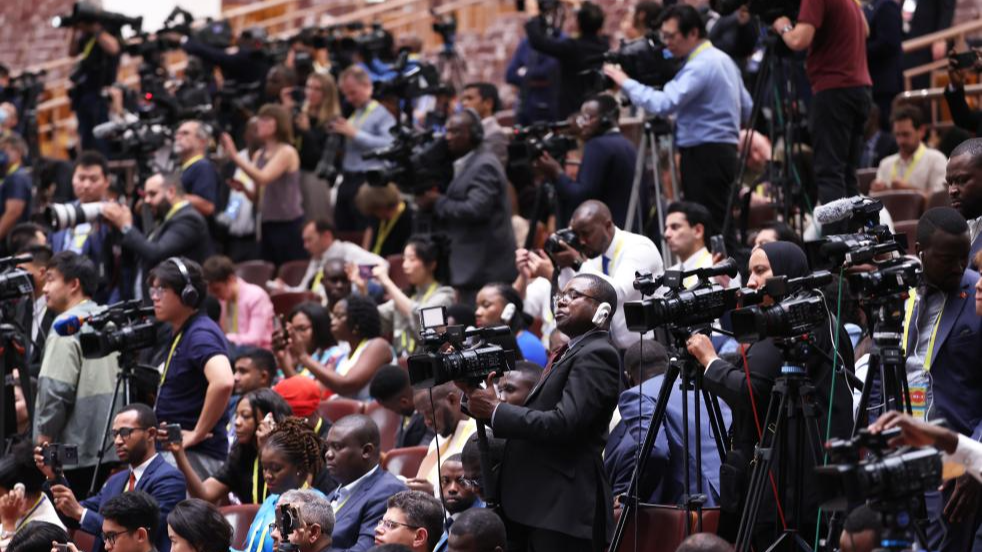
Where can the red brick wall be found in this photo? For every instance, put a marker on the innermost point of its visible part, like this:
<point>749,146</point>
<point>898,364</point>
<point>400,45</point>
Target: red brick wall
<point>26,35</point>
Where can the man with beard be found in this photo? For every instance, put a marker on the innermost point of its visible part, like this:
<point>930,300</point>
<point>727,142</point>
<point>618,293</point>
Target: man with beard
<point>199,177</point>
<point>181,231</point>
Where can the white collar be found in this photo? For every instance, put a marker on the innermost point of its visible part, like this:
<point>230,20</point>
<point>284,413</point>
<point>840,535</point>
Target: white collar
<point>351,486</point>
<point>696,259</point>
<point>138,471</point>
<point>612,248</point>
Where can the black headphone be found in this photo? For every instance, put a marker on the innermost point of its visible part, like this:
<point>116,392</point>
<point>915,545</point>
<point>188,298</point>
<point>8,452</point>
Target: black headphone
<point>477,127</point>
<point>189,295</point>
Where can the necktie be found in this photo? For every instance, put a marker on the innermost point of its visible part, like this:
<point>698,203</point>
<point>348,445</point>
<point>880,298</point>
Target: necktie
<point>605,262</point>
<point>557,355</point>
<point>338,500</point>
<point>132,484</point>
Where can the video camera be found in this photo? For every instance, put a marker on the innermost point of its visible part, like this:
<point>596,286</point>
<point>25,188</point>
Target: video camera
<point>798,311</point>
<point>529,143</point>
<point>890,279</point>
<point>122,327</point>
<point>681,307</point>
<point>768,10</point>
<point>419,161</point>
<point>461,363</point>
<point>15,282</point>
<point>84,12</point>
<point>411,81</point>
<point>566,236</point>
<point>643,59</point>
<point>446,27</point>
<point>58,455</point>
<point>869,240</point>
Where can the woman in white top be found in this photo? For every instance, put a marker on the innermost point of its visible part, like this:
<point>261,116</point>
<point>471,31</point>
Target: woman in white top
<point>22,500</point>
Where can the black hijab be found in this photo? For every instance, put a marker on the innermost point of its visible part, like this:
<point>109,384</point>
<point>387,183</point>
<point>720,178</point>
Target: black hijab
<point>786,259</point>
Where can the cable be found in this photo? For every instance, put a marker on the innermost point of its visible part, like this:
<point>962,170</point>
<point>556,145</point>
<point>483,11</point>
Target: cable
<point>439,464</point>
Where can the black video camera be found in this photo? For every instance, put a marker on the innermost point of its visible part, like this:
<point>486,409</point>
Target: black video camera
<point>437,366</point>
<point>417,160</point>
<point>891,279</point>
<point>15,282</point>
<point>643,59</point>
<point>768,10</point>
<point>446,27</point>
<point>122,327</point>
<point>529,143</point>
<point>554,244</point>
<point>792,317</point>
<point>681,307</point>
<point>84,12</point>
<point>58,455</point>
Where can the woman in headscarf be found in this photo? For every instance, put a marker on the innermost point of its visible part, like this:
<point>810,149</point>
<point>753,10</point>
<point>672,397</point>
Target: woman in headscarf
<point>765,360</point>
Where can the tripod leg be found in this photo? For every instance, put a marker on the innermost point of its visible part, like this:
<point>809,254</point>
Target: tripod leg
<point>635,199</point>
<point>862,411</point>
<point>716,422</point>
<point>105,434</point>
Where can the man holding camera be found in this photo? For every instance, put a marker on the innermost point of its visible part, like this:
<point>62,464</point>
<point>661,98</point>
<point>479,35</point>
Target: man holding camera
<point>134,434</point>
<point>74,392</point>
<point>554,442</point>
<point>100,50</point>
<point>199,177</point>
<point>313,524</point>
<point>834,33</point>
<point>709,101</point>
<point>959,66</point>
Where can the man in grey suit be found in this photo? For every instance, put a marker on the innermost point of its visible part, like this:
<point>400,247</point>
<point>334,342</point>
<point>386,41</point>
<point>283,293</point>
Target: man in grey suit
<point>474,211</point>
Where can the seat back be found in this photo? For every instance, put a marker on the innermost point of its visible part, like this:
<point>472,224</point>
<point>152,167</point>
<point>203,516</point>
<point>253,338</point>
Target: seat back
<point>255,272</point>
<point>909,229</point>
<point>404,461</point>
<point>336,408</point>
<point>396,274</point>
<point>292,272</point>
<point>939,198</point>
<point>902,204</point>
<point>388,424</point>
<point>284,301</point>
<point>864,179</point>
<point>240,518</point>
<point>663,528</point>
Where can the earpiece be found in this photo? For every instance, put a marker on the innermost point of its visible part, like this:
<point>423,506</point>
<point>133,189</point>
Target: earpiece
<point>508,313</point>
<point>189,295</point>
<point>603,312</point>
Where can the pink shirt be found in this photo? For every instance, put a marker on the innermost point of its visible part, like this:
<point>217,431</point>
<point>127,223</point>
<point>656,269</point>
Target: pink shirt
<point>251,320</point>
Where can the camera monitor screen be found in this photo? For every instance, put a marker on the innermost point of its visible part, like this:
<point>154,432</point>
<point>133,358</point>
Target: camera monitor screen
<point>433,317</point>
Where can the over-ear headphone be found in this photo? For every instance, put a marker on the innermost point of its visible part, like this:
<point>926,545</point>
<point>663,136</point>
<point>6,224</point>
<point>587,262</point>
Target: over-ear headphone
<point>477,127</point>
<point>508,313</point>
<point>189,295</point>
<point>603,312</point>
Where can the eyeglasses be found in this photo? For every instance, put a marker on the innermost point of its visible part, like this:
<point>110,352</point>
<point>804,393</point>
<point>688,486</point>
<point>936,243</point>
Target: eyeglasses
<point>572,295</point>
<point>125,432</point>
<point>390,525</point>
<point>110,536</point>
<point>665,37</point>
<point>157,291</point>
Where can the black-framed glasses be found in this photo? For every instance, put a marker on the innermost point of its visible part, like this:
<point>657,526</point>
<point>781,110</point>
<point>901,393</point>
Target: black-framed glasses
<point>125,432</point>
<point>111,536</point>
<point>389,525</point>
<point>572,295</point>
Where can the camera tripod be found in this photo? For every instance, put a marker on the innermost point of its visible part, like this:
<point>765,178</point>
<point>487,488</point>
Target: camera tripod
<point>653,129</point>
<point>681,365</point>
<point>451,66</point>
<point>886,363</point>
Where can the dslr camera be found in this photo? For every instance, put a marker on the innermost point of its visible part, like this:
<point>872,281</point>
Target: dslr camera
<point>68,215</point>
<point>58,455</point>
<point>15,282</point>
<point>697,306</point>
<point>122,327</point>
<point>439,364</point>
<point>554,244</point>
<point>529,143</point>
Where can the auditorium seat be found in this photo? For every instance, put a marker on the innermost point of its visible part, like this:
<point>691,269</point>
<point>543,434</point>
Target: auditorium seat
<point>663,528</point>
<point>255,272</point>
<point>939,198</point>
<point>404,461</point>
<point>337,408</point>
<point>909,229</point>
<point>292,272</point>
<point>902,204</point>
<point>396,274</point>
<point>864,178</point>
<point>240,518</point>
<point>761,215</point>
<point>387,422</point>
<point>83,541</point>
<point>284,301</point>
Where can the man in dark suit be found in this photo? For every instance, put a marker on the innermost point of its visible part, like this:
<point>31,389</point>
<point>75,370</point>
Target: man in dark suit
<point>884,54</point>
<point>964,177</point>
<point>474,211</point>
<point>359,503</point>
<point>181,231</point>
<point>391,388</point>
<point>553,490</point>
<point>134,435</point>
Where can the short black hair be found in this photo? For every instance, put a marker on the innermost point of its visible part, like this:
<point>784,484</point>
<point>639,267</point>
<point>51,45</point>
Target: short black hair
<point>531,369</point>
<point>602,290</point>
<point>202,525</point>
<point>863,518</point>
<point>971,147</point>
<point>18,466</point>
<point>484,526</point>
<point>92,158</point>
<point>217,268</point>
<point>73,266</point>
<point>37,536</point>
<point>22,235</point>
<point>590,18</point>
<point>320,323</point>
<point>363,316</point>
<point>263,359</point>
<point>607,106</point>
<point>388,382</point>
<point>908,112</point>
<point>168,275</point>
<point>946,219</point>
<point>487,91</point>
<point>645,359</point>
<point>133,510</point>
<point>649,12</point>
<point>687,17</point>
<point>421,510</point>
<point>783,231</point>
<point>694,213</point>
<point>323,225</point>
<point>144,414</point>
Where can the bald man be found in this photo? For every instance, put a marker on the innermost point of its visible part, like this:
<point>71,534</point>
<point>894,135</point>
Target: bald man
<point>603,249</point>
<point>442,415</point>
<point>359,503</point>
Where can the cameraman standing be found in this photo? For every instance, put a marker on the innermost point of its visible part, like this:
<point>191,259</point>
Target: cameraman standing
<point>709,101</point>
<point>834,33</point>
<point>100,51</point>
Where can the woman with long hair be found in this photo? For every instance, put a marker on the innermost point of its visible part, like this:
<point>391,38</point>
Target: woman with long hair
<point>499,304</point>
<point>306,340</point>
<point>197,526</point>
<point>314,143</point>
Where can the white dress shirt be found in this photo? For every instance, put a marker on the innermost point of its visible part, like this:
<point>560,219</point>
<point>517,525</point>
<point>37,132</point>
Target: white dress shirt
<point>137,473</point>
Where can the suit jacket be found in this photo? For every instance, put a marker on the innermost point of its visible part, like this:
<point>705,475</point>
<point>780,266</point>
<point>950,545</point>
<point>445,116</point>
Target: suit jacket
<point>961,114</point>
<point>636,409</point>
<point>976,247</point>
<point>956,371</point>
<point>183,234</point>
<point>99,247</point>
<point>883,47</point>
<point>552,474</point>
<point>414,433</point>
<point>606,174</point>
<point>355,521</point>
<point>160,480</point>
<point>476,215</point>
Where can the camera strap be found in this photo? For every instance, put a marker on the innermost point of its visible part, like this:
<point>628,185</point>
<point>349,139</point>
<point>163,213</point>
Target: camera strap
<point>170,355</point>
<point>255,484</point>
<point>385,228</point>
<point>23,521</point>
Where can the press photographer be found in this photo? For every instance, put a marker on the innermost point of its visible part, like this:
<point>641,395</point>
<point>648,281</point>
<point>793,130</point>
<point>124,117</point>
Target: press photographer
<point>709,101</point>
<point>957,447</point>
<point>304,522</point>
<point>960,66</point>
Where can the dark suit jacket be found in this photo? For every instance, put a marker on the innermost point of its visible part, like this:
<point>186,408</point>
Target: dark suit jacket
<point>415,434</point>
<point>355,522</point>
<point>160,480</point>
<point>621,450</point>
<point>552,475</point>
<point>575,55</point>
<point>956,371</point>
<point>883,47</point>
<point>606,174</point>
<point>184,234</point>
<point>476,215</point>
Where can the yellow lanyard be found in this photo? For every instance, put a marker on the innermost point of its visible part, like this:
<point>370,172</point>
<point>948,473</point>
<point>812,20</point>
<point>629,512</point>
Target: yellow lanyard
<point>88,47</point>
<point>385,228</point>
<point>702,47</point>
<point>233,308</point>
<point>908,320</point>
<point>192,161</point>
<point>616,255</point>
<point>170,355</point>
<point>262,537</point>
<point>13,168</point>
<point>174,209</point>
<point>30,512</point>
<point>320,423</point>
<point>358,120</point>
<point>910,168</point>
<point>406,343</point>
<point>255,484</point>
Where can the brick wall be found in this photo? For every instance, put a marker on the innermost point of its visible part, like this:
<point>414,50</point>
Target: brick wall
<point>26,35</point>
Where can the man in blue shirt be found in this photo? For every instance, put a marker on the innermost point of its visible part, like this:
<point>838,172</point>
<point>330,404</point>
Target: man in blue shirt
<point>199,177</point>
<point>709,102</point>
<point>15,188</point>
<point>197,381</point>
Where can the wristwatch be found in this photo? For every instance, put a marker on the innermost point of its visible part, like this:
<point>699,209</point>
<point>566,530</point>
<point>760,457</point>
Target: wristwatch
<point>126,229</point>
<point>786,28</point>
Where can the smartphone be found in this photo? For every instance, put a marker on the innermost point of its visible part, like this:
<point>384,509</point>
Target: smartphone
<point>174,435</point>
<point>965,60</point>
<point>717,245</point>
<point>365,271</point>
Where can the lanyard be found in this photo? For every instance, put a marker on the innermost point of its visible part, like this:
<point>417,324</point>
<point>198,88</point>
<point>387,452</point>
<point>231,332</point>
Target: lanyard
<point>192,161</point>
<point>385,228</point>
<point>29,513</point>
<point>317,428</point>
<point>908,320</point>
<point>702,47</point>
<point>233,308</point>
<point>13,168</point>
<point>88,47</point>
<point>617,254</point>
<point>170,355</point>
<point>910,168</point>
<point>262,537</point>
<point>255,484</point>
<point>174,209</point>
<point>358,120</point>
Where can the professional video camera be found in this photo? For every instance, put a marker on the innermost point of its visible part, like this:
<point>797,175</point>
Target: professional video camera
<point>768,10</point>
<point>891,278</point>
<point>438,365</point>
<point>410,81</point>
<point>122,327</point>
<point>446,27</point>
<point>15,282</point>
<point>566,236</point>
<point>419,161</point>
<point>798,311</point>
<point>84,12</point>
<point>643,59</point>
<point>681,307</point>
<point>529,143</point>
<point>870,241</point>
<point>373,42</point>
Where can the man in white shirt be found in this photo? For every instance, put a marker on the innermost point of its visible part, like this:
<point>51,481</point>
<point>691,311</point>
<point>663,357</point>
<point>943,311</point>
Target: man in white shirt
<point>440,407</point>
<point>686,226</point>
<point>915,166</point>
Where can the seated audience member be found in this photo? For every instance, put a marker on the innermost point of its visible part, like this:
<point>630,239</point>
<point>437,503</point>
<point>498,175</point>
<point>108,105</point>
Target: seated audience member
<point>413,519</point>
<point>776,231</point>
<point>291,457</point>
<point>916,166</point>
<point>360,502</point>
<point>74,393</point>
<point>307,340</point>
<point>247,312</point>
<point>131,523</point>
<point>303,395</point>
<point>315,520</point>
<point>459,493</point>
<point>197,526</point>
<point>21,498</point>
<point>704,542</point>
<point>478,530</point>
<point>425,266</point>
<point>861,531</point>
<point>499,304</point>
<point>391,388</point>
<point>515,385</point>
<point>470,460</point>
<point>440,407</point>
<point>255,368</point>
<point>241,474</point>
<point>38,536</point>
<point>391,219</point>
<point>134,432</point>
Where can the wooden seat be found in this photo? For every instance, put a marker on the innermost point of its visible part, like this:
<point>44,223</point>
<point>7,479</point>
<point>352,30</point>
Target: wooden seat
<point>663,528</point>
<point>864,179</point>
<point>255,272</point>
<point>909,229</point>
<point>761,215</point>
<point>284,301</point>
<point>335,409</point>
<point>388,424</point>
<point>902,204</point>
<point>84,542</point>
<point>292,272</point>
<point>240,518</point>
<point>939,198</point>
<point>404,461</point>
<point>396,274</point>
